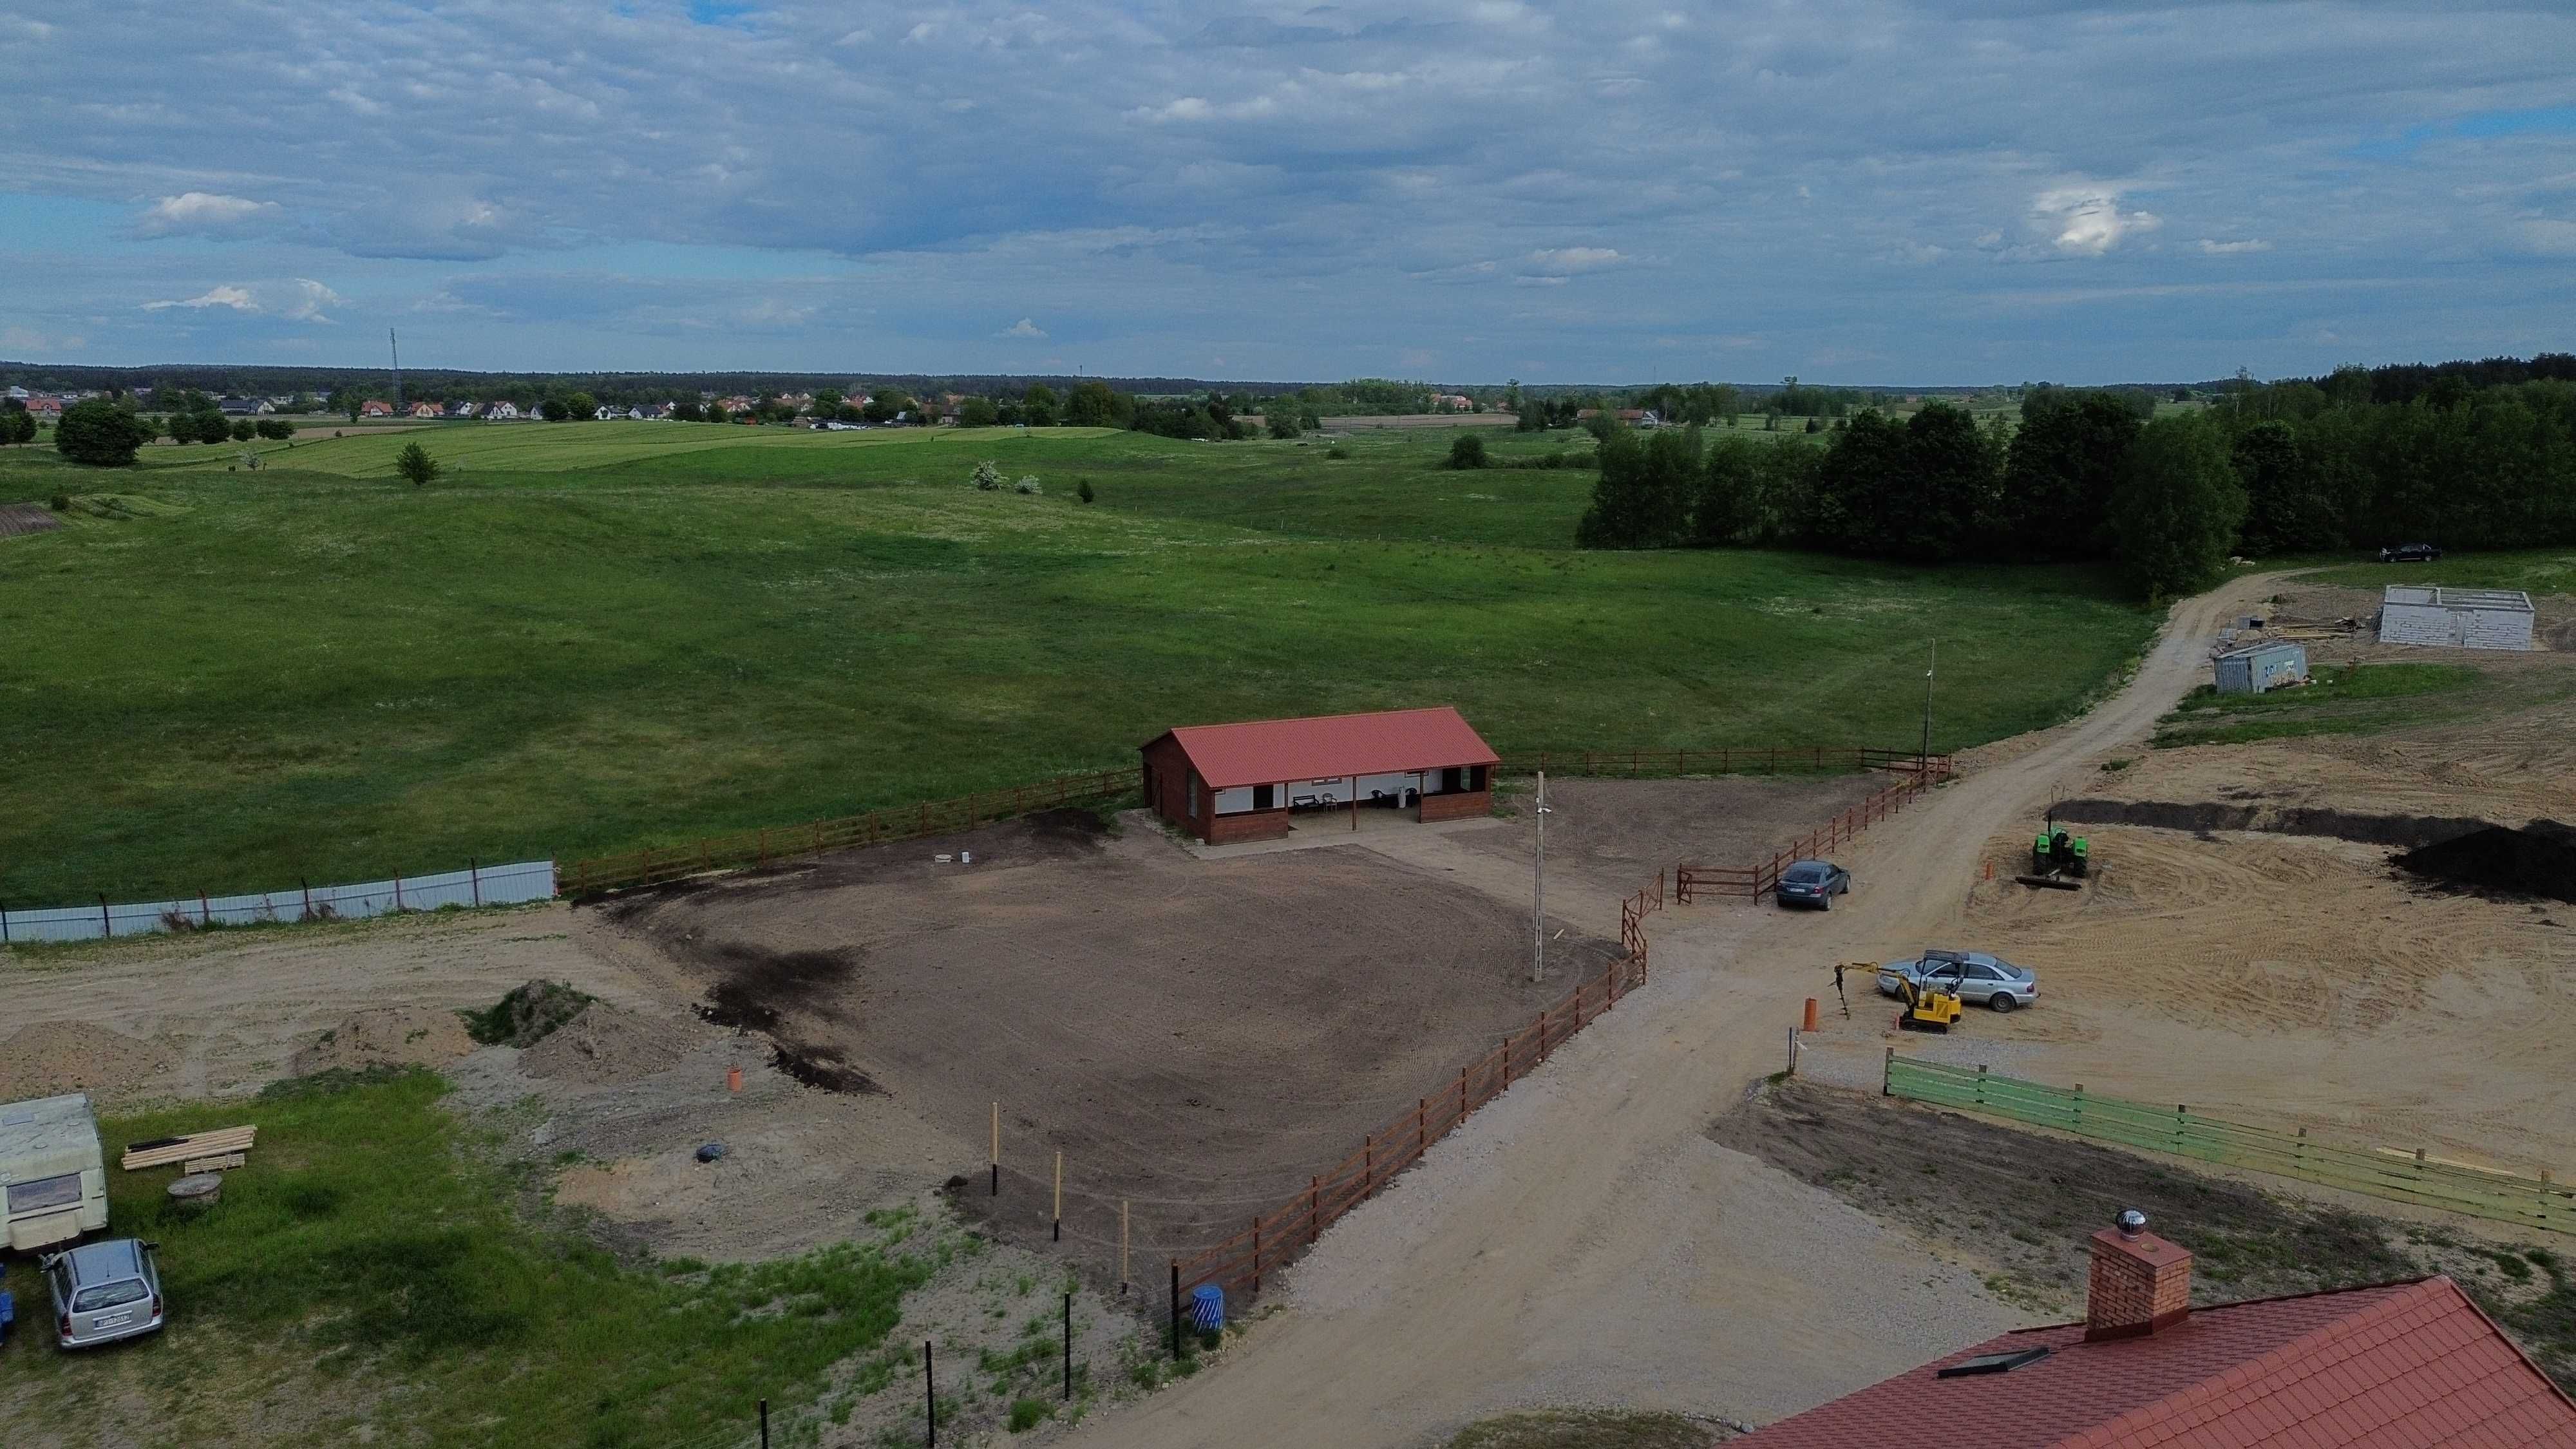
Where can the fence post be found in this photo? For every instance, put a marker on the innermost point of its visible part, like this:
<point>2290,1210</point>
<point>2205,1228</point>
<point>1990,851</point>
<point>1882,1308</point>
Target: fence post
<point>2181,1110</point>
<point>929,1393</point>
<point>1256,1253</point>
<point>1421,1126</point>
<point>1176,1310</point>
<point>106,927</point>
<point>1315,1208</point>
<point>474,878</point>
<point>4,923</point>
<point>1507,1064</point>
<point>205,908</point>
<point>764,1424</point>
<point>1542,1033</point>
<point>2299,1157</point>
<point>1887,1074</point>
<point>1981,1086</point>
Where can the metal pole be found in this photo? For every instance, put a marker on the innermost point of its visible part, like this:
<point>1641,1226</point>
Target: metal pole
<point>1923,762</point>
<point>1068,1348</point>
<point>1176,1310</point>
<point>764,1424</point>
<point>929,1393</point>
<point>1538,890</point>
<point>997,1149</point>
<point>1122,1247</point>
<point>1059,1195</point>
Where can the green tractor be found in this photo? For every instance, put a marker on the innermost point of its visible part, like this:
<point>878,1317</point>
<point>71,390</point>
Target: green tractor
<point>2058,858</point>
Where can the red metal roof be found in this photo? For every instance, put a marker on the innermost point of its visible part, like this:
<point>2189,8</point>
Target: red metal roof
<point>1274,751</point>
<point>2399,1366</point>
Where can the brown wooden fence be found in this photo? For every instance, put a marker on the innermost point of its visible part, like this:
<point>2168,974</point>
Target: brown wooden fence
<point>784,842</point>
<point>1273,1238</point>
<point>1761,876</point>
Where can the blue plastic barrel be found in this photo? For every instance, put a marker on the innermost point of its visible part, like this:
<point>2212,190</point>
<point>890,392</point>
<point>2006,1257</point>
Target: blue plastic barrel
<point>1207,1307</point>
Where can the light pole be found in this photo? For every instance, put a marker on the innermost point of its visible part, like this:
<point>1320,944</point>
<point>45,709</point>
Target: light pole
<point>1538,891</point>
<point>1924,762</point>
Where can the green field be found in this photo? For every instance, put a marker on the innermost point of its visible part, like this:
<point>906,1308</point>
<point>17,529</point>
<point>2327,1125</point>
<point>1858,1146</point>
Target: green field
<point>367,1278</point>
<point>2535,571</point>
<point>589,637</point>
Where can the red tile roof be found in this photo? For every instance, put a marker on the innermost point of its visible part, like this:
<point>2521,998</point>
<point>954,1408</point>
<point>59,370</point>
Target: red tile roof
<point>2399,1366</point>
<point>1267,752</point>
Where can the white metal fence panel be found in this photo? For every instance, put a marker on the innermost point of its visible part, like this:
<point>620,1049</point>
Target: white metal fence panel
<point>497,885</point>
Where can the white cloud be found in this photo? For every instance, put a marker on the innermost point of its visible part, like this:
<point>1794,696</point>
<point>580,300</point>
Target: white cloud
<point>237,298</point>
<point>199,211</point>
<point>2229,248</point>
<point>2087,219</point>
<point>1565,261</point>
<point>1022,328</point>
<point>306,298</point>
<point>2548,237</point>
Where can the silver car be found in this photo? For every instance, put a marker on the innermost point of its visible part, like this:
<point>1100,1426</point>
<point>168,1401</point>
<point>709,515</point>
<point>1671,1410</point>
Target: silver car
<point>104,1291</point>
<point>1977,978</point>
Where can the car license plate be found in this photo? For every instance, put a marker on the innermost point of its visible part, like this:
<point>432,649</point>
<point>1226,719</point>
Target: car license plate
<point>119,1321</point>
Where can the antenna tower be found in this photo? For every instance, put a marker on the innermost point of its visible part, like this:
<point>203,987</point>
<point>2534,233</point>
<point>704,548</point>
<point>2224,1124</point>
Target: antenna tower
<point>396,344</point>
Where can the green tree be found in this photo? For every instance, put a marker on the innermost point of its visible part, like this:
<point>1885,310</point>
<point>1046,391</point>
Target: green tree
<point>716,413</point>
<point>1646,491</point>
<point>827,402</point>
<point>1091,404</point>
<point>581,407</point>
<point>1283,420</point>
<point>988,476</point>
<point>344,400</point>
<point>100,433</point>
<point>2059,470</point>
<point>977,412</point>
<point>2176,508</point>
<point>555,409</point>
<point>2288,507</point>
<point>1467,451</point>
<point>1038,406</point>
<point>17,425</point>
<point>275,429</point>
<point>415,464</point>
<point>241,430</point>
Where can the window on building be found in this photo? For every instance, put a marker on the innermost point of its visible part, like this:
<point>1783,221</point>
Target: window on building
<point>1263,795</point>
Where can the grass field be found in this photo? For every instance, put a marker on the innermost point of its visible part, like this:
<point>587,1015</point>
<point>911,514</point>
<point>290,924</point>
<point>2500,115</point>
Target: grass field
<point>2535,571</point>
<point>594,636</point>
<point>364,1279</point>
<point>2355,699</point>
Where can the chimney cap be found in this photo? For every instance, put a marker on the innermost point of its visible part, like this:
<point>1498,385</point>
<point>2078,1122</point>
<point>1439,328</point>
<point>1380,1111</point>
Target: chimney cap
<point>2130,1222</point>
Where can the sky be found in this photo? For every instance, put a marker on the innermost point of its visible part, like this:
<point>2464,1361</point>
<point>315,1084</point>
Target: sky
<point>1459,191</point>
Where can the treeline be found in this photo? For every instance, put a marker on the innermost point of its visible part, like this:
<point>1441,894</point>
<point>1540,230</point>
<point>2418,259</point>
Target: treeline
<point>2265,470</point>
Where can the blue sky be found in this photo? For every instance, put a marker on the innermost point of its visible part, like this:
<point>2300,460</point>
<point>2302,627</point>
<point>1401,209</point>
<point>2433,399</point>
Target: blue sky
<point>1455,190</point>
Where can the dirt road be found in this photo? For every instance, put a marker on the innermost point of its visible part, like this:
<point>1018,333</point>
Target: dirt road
<point>1583,1240</point>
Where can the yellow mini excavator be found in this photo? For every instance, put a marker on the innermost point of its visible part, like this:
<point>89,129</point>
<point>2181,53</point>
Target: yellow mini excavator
<point>1927,1006</point>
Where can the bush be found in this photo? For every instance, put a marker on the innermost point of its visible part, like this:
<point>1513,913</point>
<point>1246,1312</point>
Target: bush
<point>101,434</point>
<point>1029,486</point>
<point>241,430</point>
<point>414,463</point>
<point>62,503</point>
<point>987,476</point>
<point>1337,451</point>
<point>1082,490</point>
<point>1027,1414</point>
<point>1468,451</point>
<point>276,429</point>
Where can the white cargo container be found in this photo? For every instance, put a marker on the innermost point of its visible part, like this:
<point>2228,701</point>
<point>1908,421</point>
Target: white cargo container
<point>2455,618</point>
<point>53,1175</point>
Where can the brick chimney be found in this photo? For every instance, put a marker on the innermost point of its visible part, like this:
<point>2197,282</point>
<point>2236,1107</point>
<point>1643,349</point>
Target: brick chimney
<point>2141,1284</point>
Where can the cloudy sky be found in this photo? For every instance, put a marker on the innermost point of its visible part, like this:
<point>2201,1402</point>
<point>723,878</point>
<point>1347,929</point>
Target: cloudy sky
<point>1457,190</point>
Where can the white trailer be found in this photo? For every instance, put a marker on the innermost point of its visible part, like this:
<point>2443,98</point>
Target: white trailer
<point>53,1174</point>
<point>2455,618</point>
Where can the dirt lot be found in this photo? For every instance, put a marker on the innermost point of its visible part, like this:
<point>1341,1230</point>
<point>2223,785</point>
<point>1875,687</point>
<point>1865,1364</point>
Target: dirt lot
<point>1611,836</point>
<point>1197,1037</point>
<point>2022,1204</point>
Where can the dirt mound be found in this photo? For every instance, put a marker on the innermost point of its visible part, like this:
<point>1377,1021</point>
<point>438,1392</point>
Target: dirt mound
<point>66,1056</point>
<point>605,1044</point>
<point>386,1036</point>
<point>2203,816</point>
<point>527,1015</point>
<point>2538,860</point>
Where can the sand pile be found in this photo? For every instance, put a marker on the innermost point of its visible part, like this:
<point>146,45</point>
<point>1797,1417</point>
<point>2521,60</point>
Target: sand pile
<point>386,1036</point>
<point>605,1044</point>
<point>53,1057</point>
<point>2538,860</point>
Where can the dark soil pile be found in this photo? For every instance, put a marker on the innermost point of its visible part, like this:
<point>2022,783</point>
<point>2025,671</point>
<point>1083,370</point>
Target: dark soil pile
<point>528,1015</point>
<point>2537,860</point>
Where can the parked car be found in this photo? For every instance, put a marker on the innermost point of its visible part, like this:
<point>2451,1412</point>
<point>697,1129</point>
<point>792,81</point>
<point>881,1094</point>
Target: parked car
<point>1812,883</point>
<point>2409,553</point>
<point>104,1291</point>
<point>1975,977</point>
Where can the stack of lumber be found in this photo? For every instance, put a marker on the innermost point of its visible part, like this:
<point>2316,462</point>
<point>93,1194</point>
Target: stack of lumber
<point>228,1142</point>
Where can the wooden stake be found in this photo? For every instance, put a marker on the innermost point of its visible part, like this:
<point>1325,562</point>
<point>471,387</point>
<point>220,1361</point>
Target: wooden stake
<point>1059,1195</point>
<point>997,1149</point>
<point>1122,1247</point>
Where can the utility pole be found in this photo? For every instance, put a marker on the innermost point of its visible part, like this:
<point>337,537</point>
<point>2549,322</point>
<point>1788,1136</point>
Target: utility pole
<point>396,344</point>
<point>1538,891</point>
<point>1925,761</point>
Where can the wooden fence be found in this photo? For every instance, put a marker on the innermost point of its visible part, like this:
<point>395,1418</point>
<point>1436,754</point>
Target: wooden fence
<point>784,842</point>
<point>1760,877</point>
<point>1273,1238</point>
<point>2399,1176</point>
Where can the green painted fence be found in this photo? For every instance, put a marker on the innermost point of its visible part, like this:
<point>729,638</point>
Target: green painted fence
<point>2536,1202</point>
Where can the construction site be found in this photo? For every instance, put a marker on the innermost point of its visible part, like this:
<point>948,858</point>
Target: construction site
<point>1107,1047</point>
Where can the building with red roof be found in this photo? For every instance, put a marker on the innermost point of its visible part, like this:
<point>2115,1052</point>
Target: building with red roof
<point>1232,782</point>
<point>2397,1366</point>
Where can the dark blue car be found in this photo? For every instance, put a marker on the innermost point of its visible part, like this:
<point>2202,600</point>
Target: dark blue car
<point>1812,883</point>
